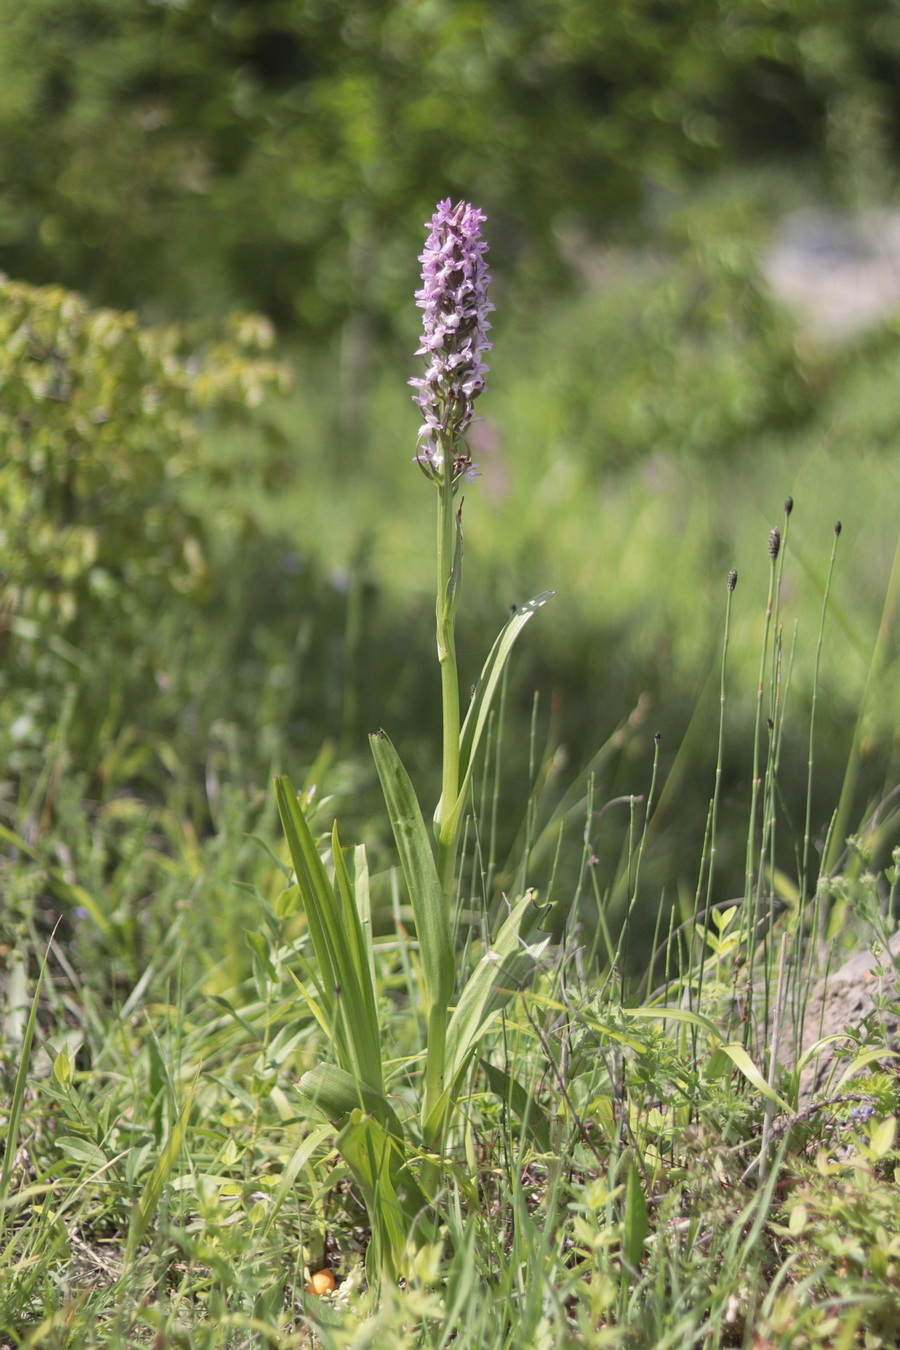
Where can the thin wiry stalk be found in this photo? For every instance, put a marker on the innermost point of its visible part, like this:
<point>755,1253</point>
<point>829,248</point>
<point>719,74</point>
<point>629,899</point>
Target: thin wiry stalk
<point>639,857</point>
<point>530,813</point>
<point>807,826</point>
<point>769,1109</point>
<point>647,981</point>
<point>764,906</point>
<point>587,853</point>
<point>749,870</point>
<point>766,863</point>
<point>698,910</point>
<point>498,774</point>
<point>750,862</point>
<point>446,647</point>
<point>717,790</point>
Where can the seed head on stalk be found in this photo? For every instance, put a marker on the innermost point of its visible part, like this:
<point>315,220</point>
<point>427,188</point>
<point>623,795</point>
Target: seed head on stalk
<point>454,338</point>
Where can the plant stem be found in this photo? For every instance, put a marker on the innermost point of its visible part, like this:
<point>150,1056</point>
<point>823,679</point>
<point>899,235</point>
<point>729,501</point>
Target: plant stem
<point>807,828</point>
<point>750,870</point>
<point>449,546</point>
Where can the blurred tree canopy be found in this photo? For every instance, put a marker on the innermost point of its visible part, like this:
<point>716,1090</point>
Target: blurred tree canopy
<point>189,156</point>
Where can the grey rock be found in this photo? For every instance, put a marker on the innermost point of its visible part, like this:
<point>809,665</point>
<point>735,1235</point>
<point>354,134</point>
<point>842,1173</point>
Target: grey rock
<point>843,999</point>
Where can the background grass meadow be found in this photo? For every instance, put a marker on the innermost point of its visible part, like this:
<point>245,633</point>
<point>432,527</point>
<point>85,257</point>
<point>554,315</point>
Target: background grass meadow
<point>217,564</point>
<point>605,478</point>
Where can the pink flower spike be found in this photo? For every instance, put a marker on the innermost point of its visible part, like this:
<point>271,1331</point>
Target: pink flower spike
<point>454,338</point>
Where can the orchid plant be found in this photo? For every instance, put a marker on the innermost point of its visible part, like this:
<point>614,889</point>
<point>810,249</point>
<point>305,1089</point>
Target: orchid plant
<point>398,1164</point>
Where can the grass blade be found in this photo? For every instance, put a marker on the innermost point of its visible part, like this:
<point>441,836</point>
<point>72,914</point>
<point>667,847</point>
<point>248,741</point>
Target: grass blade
<point>498,976</point>
<point>636,1222</point>
<point>150,1196</point>
<point>739,1057</point>
<point>476,719</point>
<point>15,1108</point>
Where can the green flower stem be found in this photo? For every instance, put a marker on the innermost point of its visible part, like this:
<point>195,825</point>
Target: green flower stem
<point>448,582</point>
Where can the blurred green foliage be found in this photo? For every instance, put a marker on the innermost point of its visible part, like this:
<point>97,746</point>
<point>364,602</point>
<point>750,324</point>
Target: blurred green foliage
<point>638,443</point>
<point>279,155</point>
<point>679,349</point>
<point>187,597</point>
<point>100,418</point>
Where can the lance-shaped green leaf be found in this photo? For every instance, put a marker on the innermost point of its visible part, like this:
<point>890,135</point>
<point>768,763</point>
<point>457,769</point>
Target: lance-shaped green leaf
<point>337,1094</point>
<point>635,1222</point>
<point>427,899</point>
<point>148,1204</point>
<point>297,1162</point>
<point>521,1101</point>
<point>359,935</point>
<point>477,716</point>
<point>395,1203</point>
<point>14,1106</point>
<point>499,975</point>
<point>340,945</point>
<point>364,903</point>
<point>739,1057</point>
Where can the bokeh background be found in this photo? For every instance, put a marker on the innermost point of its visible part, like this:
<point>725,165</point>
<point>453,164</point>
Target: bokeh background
<point>217,553</point>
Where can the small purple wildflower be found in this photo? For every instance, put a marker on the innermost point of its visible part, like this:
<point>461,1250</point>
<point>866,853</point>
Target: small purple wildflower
<point>454,297</point>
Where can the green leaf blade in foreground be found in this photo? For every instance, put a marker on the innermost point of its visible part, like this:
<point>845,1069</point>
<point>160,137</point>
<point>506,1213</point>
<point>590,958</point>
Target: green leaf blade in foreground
<point>496,979</point>
<point>151,1195</point>
<point>521,1102</point>
<point>359,938</point>
<point>477,716</point>
<point>420,872</point>
<point>372,1143</point>
<point>14,1110</point>
<point>742,1061</point>
<point>336,1094</point>
<point>636,1222</point>
<point>344,968</point>
<point>396,1204</point>
<point>431,918</point>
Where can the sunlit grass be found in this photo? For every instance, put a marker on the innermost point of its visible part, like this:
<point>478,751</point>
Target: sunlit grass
<point>635,531</point>
<point>627,1161</point>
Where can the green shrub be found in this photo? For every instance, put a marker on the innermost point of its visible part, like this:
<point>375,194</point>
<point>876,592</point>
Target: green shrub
<point>101,420</point>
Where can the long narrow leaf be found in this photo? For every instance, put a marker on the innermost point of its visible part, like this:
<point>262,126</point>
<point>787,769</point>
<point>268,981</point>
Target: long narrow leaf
<point>312,879</point>
<point>337,1094</point>
<point>364,903</point>
<point>860,1061</point>
<point>694,1019</point>
<point>739,1057</point>
<point>297,1162</point>
<point>429,909</point>
<point>635,1222</point>
<point>419,870</point>
<point>394,1200</point>
<point>150,1196</point>
<point>499,975</point>
<point>14,1116</point>
<point>476,719</point>
<point>521,1102</point>
<point>359,939</point>
<point>344,965</point>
